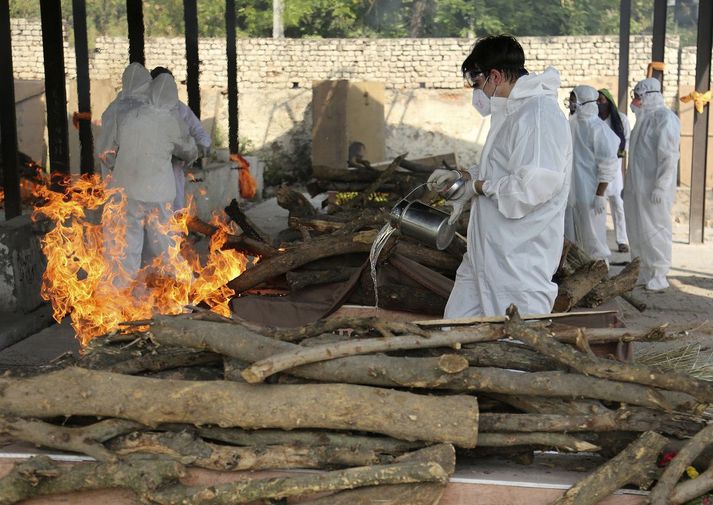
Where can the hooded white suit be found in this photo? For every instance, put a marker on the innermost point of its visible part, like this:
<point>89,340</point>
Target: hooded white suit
<point>516,230</point>
<point>147,138</point>
<point>134,93</point>
<point>594,161</point>
<point>650,184</point>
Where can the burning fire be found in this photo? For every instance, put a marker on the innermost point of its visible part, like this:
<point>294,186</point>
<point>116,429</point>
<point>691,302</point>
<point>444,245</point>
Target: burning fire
<point>84,276</point>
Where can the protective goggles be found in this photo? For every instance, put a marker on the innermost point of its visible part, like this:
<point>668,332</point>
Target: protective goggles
<point>637,96</point>
<point>471,77</point>
<point>567,102</point>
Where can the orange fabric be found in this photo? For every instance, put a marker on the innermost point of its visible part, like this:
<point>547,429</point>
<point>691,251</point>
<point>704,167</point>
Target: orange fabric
<point>248,185</point>
<point>78,116</point>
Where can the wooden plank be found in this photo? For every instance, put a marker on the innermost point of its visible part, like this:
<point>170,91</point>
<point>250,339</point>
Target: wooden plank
<point>464,321</point>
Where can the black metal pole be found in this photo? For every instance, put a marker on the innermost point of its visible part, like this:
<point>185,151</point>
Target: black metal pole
<point>231,51</point>
<point>190,16</point>
<point>659,35</point>
<point>8,127</point>
<point>624,33</point>
<point>55,90</point>
<point>697,211</point>
<point>81,51</point>
<point>135,21</point>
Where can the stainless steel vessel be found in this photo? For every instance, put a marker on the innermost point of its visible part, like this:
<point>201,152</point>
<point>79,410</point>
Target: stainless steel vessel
<point>423,223</point>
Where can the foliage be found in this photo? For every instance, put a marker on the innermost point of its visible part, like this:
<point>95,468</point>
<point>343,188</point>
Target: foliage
<point>384,18</point>
<point>288,164</point>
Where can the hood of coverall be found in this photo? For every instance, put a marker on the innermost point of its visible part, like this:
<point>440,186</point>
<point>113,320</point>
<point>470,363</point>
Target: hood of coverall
<point>164,93</point>
<point>586,101</point>
<point>135,81</point>
<point>650,92</point>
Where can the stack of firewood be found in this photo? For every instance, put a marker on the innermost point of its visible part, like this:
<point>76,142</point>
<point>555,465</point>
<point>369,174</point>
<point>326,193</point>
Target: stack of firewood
<point>321,247</point>
<point>375,405</point>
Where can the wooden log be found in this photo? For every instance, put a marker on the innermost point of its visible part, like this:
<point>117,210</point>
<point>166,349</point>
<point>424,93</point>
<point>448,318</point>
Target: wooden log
<point>574,287</point>
<point>299,438</point>
<point>407,416</point>
<point>250,490</point>
<point>364,175</point>
<point>559,441</point>
<point>426,165</point>
<point>249,228</point>
<point>188,449</point>
<point>164,359</point>
<point>40,476</point>
<point>239,342</point>
<point>358,325</point>
<point>691,489</point>
<point>661,493</point>
<point>508,355</point>
<point>632,465</point>
<point>294,202</point>
<point>605,368</point>
<point>621,283</point>
<point>300,279</point>
<point>262,369</point>
<point>438,260</point>
<point>241,243</point>
<point>85,440</point>
<point>400,494</point>
<point>296,257</point>
<point>626,418</point>
<point>399,297</point>
<point>569,334</point>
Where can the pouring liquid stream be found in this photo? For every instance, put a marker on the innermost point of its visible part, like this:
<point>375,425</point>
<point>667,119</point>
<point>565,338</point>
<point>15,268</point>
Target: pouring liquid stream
<point>379,242</point>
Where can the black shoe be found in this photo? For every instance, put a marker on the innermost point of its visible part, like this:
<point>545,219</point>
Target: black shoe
<point>623,248</point>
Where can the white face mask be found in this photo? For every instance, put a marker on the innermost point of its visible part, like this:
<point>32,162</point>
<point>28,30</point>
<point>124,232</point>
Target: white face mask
<point>635,108</point>
<point>481,101</point>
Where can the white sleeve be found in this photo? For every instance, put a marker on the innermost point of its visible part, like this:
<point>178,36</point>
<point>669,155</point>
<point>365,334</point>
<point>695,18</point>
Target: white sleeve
<point>606,145</point>
<point>667,152</point>
<point>195,127</point>
<point>184,147</point>
<point>627,129</point>
<point>537,169</point>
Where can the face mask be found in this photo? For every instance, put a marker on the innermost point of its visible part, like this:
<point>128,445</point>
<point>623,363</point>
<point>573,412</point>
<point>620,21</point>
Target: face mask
<point>481,101</point>
<point>635,108</point>
<point>603,110</point>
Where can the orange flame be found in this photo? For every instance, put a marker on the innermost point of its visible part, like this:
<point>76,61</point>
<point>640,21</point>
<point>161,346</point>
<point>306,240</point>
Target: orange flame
<point>84,277</point>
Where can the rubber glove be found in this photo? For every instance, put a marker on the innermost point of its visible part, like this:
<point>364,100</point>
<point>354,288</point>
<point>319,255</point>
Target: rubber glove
<point>203,150</point>
<point>599,204</point>
<point>461,200</point>
<point>657,196</point>
<point>441,179</point>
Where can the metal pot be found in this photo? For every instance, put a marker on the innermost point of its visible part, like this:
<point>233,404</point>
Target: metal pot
<point>423,223</point>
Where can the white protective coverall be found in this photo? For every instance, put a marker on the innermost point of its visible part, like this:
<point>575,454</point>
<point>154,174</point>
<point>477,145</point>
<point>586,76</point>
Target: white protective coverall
<point>594,161</point>
<point>202,139</point>
<point>134,93</point>
<point>650,184</point>
<point>616,204</point>
<point>516,230</point>
<point>147,138</point>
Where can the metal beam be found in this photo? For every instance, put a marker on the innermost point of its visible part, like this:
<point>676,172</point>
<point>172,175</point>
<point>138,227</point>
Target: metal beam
<point>231,52</point>
<point>190,17</point>
<point>8,127</point>
<point>135,21</point>
<point>624,33</point>
<point>81,52</point>
<point>696,220</point>
<point>55,90</point>
<point>658,43</point>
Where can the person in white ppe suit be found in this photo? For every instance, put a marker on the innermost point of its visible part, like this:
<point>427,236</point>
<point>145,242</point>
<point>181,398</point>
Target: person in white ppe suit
<point>134,93</point>
<point>195,130</point>
<point>517,193</point>
<point>594,166</point>
<point>619,124</point>
<point>146,140</point>
<point>650,183</point>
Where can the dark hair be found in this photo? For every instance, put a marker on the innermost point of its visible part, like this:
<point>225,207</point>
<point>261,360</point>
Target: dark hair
<point>160,70</point>
<point>616,124</point>
<point>499,52</point>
